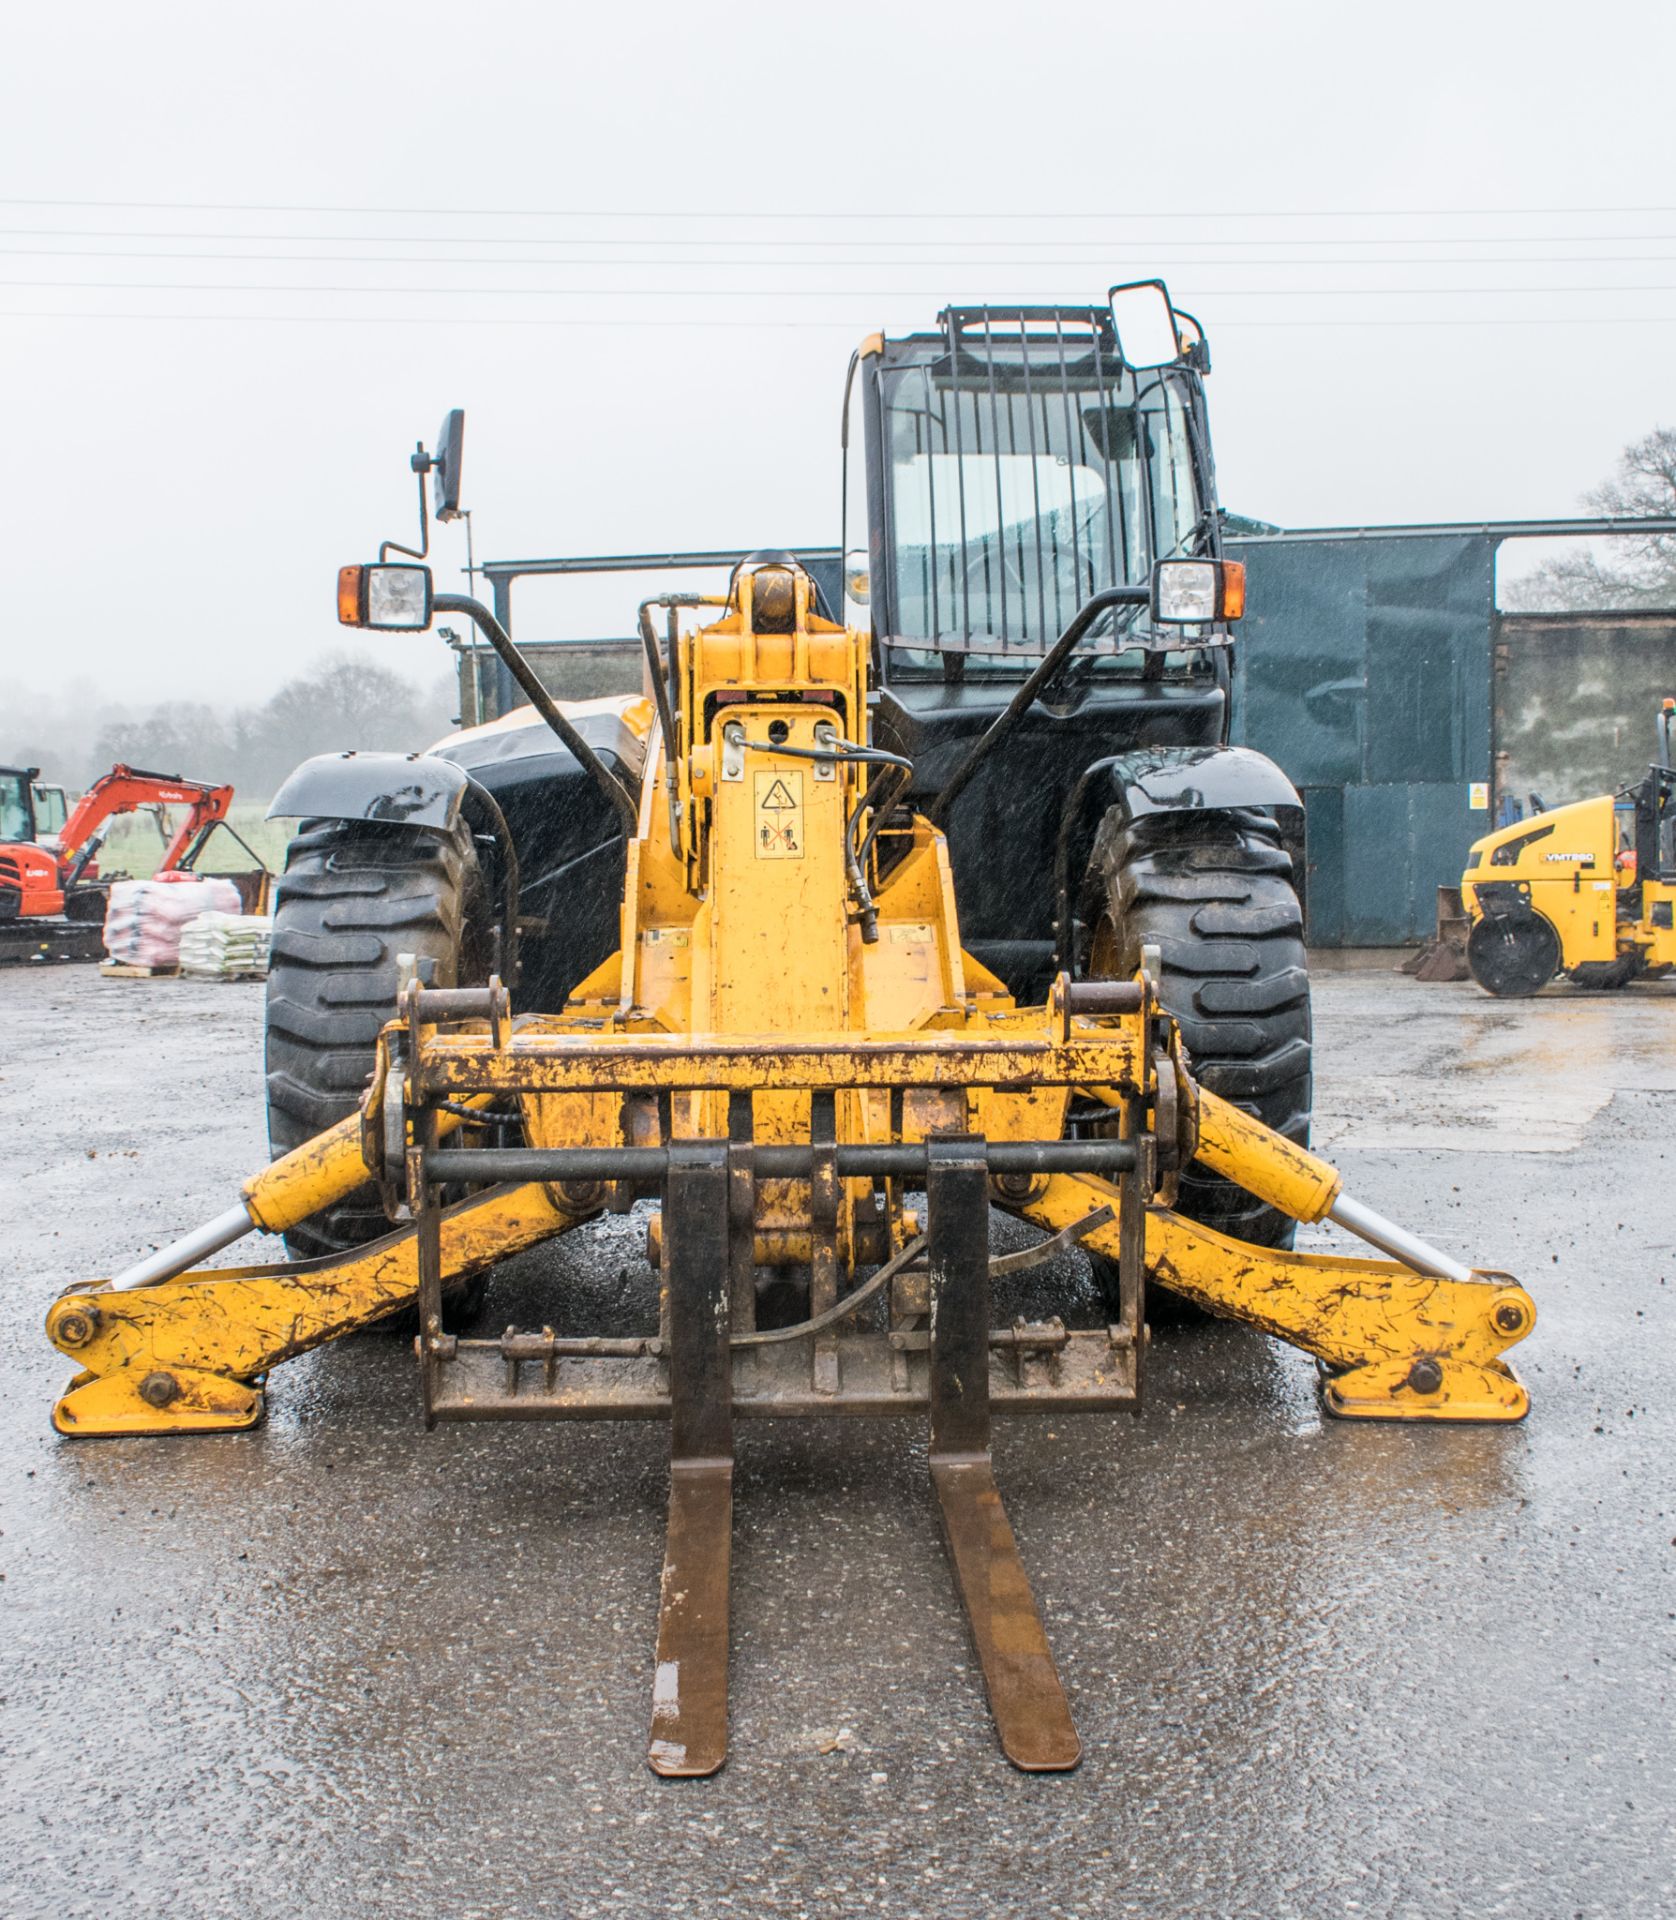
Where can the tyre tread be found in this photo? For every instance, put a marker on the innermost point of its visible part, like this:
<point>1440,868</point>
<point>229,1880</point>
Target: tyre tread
<point>351,899</point>
<point>1214,893</point>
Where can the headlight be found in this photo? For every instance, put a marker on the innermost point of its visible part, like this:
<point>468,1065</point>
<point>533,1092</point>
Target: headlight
<point>1192,593</point>
<point>390,597</point>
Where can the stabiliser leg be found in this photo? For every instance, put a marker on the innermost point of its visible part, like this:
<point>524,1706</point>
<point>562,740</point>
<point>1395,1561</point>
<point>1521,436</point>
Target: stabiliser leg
<point>1031,1713</point>
<point>186,1355</point>
<point>689,1693</point>
<point>1403,1345</point>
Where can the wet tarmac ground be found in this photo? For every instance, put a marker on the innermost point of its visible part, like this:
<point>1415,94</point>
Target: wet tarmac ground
<point>343,1667</point>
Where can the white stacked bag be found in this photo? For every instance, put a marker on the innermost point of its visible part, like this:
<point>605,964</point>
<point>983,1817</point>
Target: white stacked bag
<point>144,919</point>
<point>223,946</point>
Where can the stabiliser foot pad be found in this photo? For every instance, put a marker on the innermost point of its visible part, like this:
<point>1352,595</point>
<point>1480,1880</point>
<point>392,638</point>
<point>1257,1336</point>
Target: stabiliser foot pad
<point>178,1400</point>
<point>1427,1389</point>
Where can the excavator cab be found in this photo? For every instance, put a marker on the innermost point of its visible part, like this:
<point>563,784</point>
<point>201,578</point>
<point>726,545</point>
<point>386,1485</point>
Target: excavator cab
<point>52,809</point>
<point>17,805</point>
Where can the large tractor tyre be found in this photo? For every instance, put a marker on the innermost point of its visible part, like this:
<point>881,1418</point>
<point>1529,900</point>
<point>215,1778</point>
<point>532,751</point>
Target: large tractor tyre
<point>1513,955</point>
<point>1213,892</point>
<point>354,896</point>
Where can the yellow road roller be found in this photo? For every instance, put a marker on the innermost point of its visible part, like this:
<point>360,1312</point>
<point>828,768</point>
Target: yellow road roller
<point>1586,891</point>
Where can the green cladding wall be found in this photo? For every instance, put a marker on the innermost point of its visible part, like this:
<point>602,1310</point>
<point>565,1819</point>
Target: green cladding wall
<point>1364,669</point>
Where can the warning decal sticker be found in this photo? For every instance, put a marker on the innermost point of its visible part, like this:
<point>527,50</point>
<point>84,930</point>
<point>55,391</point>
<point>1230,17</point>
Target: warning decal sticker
<point>779,816</point>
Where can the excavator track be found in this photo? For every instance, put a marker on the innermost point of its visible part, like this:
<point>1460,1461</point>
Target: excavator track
<point>37,943</point>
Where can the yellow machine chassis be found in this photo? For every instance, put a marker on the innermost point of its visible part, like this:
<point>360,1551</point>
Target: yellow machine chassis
<point>788,1044</point>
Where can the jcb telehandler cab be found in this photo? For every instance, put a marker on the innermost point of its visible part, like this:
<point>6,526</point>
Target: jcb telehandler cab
<point>1021,463</point>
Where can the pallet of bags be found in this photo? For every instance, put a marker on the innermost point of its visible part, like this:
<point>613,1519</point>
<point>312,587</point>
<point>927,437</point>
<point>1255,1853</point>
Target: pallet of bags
<point>144,918</point>
<point>226,946</point>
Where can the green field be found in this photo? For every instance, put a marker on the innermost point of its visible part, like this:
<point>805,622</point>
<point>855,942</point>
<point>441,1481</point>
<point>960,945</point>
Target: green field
<point>135,845</point>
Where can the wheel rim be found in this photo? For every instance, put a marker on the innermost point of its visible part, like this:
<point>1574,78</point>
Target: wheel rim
<point>1513,954</point>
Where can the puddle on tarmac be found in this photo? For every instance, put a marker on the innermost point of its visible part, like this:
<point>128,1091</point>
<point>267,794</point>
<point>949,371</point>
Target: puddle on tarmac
<point>1527,1077</point>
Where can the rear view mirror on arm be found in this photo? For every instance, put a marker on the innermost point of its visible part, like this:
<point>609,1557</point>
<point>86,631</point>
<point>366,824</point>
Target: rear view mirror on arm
<point>445,465</point>
<point>1146,325</point>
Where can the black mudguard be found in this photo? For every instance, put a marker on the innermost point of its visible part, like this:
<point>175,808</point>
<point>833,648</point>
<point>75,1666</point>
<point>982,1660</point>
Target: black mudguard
<point>398,789</point>
<point>1208,779</point>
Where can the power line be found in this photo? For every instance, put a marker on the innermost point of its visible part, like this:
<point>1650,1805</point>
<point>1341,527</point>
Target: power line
<point>661,260</point>
<point>781,242</point>
<point>444,320</point>
<point>615,323</point>
<point>793,293</point>
<point>803,214</point>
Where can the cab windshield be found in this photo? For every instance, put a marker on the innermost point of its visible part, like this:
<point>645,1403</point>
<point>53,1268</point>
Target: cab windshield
<point>51,809</point>
<point>1023,474</point>
<point>15,821</point>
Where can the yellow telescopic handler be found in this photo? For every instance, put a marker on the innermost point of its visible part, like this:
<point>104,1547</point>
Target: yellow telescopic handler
<point>794,1058</point>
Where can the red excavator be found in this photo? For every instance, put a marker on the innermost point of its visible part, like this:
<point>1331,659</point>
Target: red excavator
<point>52,899</point>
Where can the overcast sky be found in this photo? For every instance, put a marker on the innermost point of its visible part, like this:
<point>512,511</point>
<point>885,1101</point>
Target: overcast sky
<point>637,245</point>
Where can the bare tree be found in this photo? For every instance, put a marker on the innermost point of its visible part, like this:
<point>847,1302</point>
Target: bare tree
<point>184,738</point>
<point>344,703</point>
<point>340,702</point>
<point>1640,570</point>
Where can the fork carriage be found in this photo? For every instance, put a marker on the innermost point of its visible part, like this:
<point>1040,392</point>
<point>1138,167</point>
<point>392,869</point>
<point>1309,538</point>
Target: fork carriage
<point>710,1363</point>
<point>826,1204</point>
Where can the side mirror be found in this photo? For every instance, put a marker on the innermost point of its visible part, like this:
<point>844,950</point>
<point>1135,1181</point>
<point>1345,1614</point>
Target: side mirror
<point>445,465</point>
<point>388,599</point>
<point>1146,325</point>
<point>1195,593</point>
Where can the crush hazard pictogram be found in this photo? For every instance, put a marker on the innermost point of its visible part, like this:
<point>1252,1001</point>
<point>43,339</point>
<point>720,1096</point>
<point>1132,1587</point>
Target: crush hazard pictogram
<point>779,816</point>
